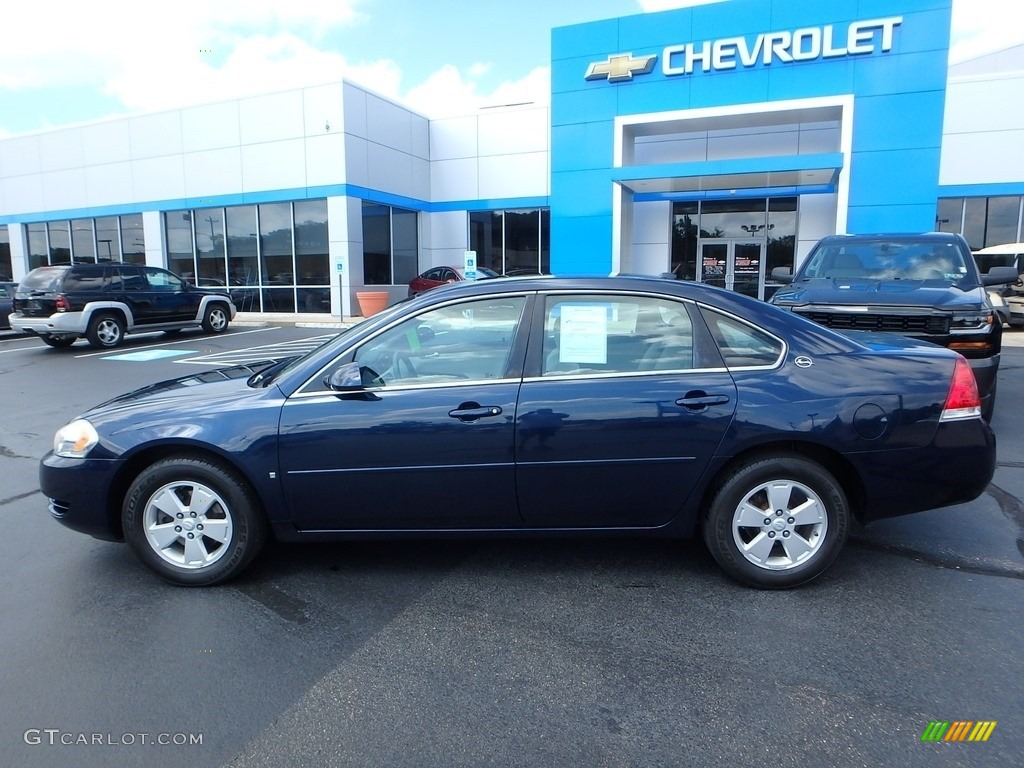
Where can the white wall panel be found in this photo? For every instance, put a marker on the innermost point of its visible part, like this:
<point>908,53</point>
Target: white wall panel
<point>650,258</point>
<point>60,149</point>
<point>511,131</point>
<point>355,110</point>
<point>64,189</point>
<point>991,157</point>
<point>819,140</point>
<point>389,169</point>
<point>454,180</point>
<point>671,151</point>
<point>322,106</point>
<point>652,222</point>
<point>155,135</point>
<point>108,184</point>
<point>325,159</point>
<point>217,172</point>
<point>448,230</point>
<point>275,165</point>
<point>817,217</point>
<point>271,118</point>
<point>984,105</point>
<point>420,127</point>
<point>106,143</point>
<point>453,137</point>
<point>357,169</point>
<point>759,145</point>
<point>388,124</point>
<point>19,156</point>
<point>24,194</point>
<point>420,179</point>
<point>213,126</point>
<point>514,175</point>
<point>159,178</point>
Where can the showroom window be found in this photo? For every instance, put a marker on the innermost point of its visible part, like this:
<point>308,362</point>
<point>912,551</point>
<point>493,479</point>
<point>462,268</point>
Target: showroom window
<point>514,241</point>
<point>390,244</point>
<point>271,257</point>
<point>87,241</point>
<point>6,268</point>
<point>983,221</point>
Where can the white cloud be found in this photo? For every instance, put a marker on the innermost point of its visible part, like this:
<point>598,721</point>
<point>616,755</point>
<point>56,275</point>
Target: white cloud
<point>448,92</point>
<point>651,6</point>
<point>983,26</point>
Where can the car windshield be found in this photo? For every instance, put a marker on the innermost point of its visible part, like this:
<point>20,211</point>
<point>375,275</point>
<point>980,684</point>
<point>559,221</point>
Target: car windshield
<point>888,260</point>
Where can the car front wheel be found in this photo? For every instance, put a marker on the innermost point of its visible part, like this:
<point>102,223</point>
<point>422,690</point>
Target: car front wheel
<point>193,522</point>
<point>216,319</point>
<point>776,522</point>
<point>105,331</point>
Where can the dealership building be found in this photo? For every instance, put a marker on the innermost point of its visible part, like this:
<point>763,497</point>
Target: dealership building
<point>715,142</point>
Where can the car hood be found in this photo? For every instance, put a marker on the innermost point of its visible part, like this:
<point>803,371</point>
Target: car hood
<point>216,388</point>
<point>845,291</point>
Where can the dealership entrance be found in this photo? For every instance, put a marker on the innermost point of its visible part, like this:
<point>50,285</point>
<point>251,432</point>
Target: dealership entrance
<point>734,264</point>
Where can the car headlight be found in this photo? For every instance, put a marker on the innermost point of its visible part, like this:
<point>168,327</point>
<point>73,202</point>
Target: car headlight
<point>971,321</point>
<point>75,440</point>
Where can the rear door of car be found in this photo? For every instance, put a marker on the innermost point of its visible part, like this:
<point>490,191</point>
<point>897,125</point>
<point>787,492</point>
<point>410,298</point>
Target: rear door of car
<point>171,300</point>
<point>429,444</point>
<point>624,402</point>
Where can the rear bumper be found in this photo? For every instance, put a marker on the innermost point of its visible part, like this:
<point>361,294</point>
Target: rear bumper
<point>985,370</point>
<point>955,468</point>
<point>59,324</point>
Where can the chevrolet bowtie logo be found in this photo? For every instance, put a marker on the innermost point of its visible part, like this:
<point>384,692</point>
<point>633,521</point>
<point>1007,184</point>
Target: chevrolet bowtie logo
<point>621,67</point>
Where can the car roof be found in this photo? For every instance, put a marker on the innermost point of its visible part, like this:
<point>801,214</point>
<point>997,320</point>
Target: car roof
<point>894,237</point>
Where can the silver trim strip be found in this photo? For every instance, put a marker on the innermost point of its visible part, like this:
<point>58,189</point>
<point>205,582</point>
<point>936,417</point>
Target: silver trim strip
<point>418,468</point>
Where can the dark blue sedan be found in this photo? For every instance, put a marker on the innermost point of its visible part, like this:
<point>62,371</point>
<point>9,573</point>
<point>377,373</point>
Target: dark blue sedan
<point>531,406</point>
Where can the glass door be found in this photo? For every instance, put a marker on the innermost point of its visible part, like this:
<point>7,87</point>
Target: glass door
<point>733,264</point>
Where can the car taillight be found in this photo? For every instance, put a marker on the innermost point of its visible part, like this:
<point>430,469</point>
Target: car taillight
<point>963,401</point>
<point>61,304</point>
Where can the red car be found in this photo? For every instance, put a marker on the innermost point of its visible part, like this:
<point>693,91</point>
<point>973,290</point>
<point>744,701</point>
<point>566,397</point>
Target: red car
<point>436,276</point>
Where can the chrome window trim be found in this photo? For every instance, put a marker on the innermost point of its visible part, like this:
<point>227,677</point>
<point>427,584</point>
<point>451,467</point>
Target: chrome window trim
<point>318,376</point>
<point>334,394</point>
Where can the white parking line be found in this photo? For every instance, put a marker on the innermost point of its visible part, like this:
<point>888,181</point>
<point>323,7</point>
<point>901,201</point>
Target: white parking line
<point>278,350</point>
<point>193,340</point>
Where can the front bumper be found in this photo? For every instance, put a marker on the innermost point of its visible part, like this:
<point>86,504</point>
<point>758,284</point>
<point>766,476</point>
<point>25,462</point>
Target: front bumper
<point>58,324</point>
<point>79,493</point>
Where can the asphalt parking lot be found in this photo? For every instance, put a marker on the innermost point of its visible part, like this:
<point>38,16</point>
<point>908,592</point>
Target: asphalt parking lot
<point>561,653</point>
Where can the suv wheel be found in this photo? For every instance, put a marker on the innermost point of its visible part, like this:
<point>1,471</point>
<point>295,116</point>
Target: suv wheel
<point>105,331</point>
<point>216,319</point>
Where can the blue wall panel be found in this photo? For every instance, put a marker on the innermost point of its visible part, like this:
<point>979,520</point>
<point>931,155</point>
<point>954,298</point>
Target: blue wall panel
<point>582,245</point>
<point>899,97</point>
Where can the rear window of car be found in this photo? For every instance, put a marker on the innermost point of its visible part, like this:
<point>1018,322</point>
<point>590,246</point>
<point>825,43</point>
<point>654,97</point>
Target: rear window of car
<point>43,279</point>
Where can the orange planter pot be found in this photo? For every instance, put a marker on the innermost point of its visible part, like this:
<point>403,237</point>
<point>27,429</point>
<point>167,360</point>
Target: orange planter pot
<point>371,302</point>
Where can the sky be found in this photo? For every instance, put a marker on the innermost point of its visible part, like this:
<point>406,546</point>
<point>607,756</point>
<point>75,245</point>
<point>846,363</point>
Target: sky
<point>64,62</point>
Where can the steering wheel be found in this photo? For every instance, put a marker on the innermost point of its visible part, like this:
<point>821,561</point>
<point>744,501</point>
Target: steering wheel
<point>401,367</point>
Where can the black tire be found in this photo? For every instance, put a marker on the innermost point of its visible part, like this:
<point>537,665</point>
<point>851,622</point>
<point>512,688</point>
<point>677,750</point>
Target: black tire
<point>784,552</point>
<point>216,318</point>
<point>106,330</point>
<point>58,342</point>
<point>225,526</point>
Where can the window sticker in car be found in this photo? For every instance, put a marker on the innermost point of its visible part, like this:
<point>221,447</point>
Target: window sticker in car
<point>583,335</point>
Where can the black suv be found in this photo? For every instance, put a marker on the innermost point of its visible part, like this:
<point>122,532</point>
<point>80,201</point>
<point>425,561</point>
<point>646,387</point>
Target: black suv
<point>925,286</point>
<point>103,302</point>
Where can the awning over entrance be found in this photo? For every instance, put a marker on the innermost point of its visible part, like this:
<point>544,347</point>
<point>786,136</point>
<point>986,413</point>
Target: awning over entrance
<point>798,173</point>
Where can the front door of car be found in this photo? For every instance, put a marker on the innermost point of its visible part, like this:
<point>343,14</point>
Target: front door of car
<point>429,442</point>
<point>171,299</point>
<point>624,403</point>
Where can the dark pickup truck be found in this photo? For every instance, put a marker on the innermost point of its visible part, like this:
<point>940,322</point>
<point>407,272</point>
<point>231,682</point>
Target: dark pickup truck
<point>925,286</point>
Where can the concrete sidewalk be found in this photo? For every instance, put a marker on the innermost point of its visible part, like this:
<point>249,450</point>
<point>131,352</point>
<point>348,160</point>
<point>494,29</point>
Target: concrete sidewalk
<point>302,320</point>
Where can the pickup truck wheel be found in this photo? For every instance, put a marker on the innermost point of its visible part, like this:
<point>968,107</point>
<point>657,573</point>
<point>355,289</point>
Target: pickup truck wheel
<point>216,319</point>
<point>58,342</point>
<point>106,331</point>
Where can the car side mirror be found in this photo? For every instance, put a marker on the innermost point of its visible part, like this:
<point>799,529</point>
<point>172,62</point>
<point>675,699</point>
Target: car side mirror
<point>345,378</point>
<point>1000,276</point>
<point>782,275</point>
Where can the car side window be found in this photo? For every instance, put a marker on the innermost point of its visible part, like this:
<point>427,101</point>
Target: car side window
<point>615,334</point>
<point>433,274</point>
<point>131,279</point>
<point>160,280</point>
<point>468,341</point>
<point>742,345</point>
<point>84,280</point>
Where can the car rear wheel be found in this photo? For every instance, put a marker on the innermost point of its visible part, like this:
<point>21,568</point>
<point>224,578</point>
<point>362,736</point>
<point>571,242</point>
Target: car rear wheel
<point>777,522</point>
<point>58,342</point>
<point>193,522</point>
<point>105,331</point>
<point>216,319</point>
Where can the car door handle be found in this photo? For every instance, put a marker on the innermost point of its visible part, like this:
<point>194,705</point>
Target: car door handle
<point>697,401</point>
<point>472,412</point>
